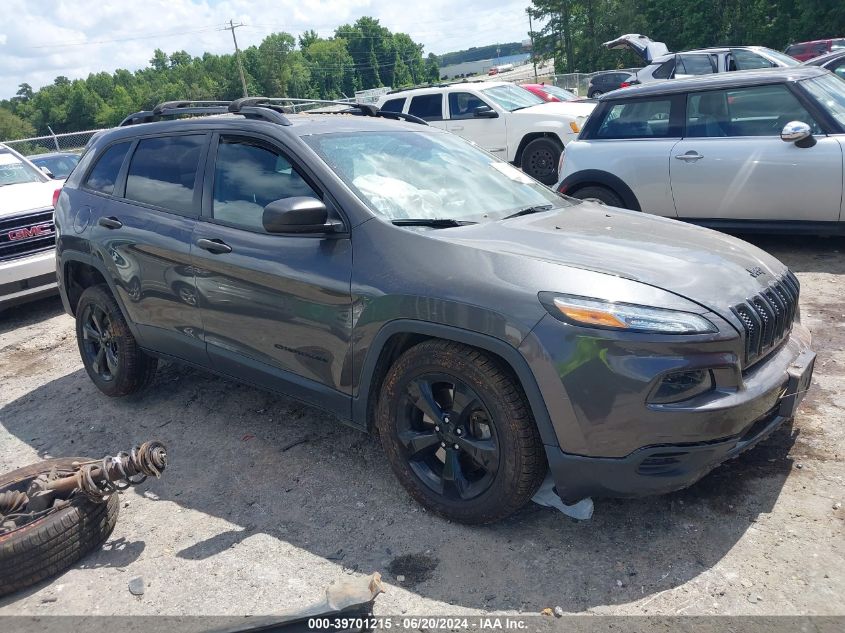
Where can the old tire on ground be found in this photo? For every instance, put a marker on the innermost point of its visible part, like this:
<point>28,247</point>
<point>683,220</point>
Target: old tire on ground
<point>110,354</point>
<point>540,158</point>
<point>458,432</point>
<point>599,195</point>
<point>53,542</point>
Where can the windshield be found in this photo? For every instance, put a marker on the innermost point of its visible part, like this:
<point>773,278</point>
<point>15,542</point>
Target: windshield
<point>511,97</point>
<point>829,91</point>
<point>560,93</point>
<point>60,166</point>
<point>782,58</point>
<point>13,171</point>
<point>403,175</point>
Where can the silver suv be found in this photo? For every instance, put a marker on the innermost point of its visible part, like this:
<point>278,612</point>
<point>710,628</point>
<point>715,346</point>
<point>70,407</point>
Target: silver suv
<point>703,61</point>
<point>755,149</point>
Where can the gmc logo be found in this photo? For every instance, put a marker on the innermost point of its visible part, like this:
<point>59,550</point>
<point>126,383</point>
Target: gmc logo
<point>38,230</point>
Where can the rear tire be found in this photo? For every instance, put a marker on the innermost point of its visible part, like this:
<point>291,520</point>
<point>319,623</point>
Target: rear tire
<point>110,354</point>
<point>595,93</point>
<point>477,457</point>
<point>56,541</point>
<point>599,195</point>
<point>540,158</point>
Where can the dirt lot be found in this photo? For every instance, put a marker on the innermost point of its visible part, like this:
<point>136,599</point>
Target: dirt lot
<point>268,501</point>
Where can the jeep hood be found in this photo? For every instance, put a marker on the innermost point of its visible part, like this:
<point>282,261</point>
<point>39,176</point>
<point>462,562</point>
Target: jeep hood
<point>573,109</point>
<point>643,46</point>
<point>712,269</point>
<point>27,196</point>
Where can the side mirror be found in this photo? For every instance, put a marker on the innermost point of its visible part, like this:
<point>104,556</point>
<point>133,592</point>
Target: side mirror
<point>795,132</point>
<point>299,214</point>
<point>46,171</point>
<point>485,112</point>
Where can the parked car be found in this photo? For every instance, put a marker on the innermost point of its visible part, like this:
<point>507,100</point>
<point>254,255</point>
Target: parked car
<point>549,92</point>
<point>605,82</point>
<point>802,51</point>
<point>59,164</point>
<point>747,150</point>
<point>27,235</point>
<point>408,281</point>
<point>704,61</point>
<point>834,62</point>
<point>500,117</point>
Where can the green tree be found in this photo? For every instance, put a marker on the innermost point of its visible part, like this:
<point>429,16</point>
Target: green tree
<point>13,127</point>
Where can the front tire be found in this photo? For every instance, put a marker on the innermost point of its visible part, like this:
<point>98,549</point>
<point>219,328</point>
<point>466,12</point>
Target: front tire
<point>599,195</point>
<point>110,354</point>
<point>458,433</point>
<point>540,159</point>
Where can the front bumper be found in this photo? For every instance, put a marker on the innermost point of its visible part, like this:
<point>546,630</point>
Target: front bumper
<point>612,442</point>
<point>27,278</point>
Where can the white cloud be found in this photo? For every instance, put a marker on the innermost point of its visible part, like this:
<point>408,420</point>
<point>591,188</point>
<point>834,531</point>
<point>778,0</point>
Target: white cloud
<point>41,39</point>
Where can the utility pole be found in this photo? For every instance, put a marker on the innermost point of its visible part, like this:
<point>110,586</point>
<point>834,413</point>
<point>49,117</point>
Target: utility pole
<point>531,34</point>
<point>232,26</point>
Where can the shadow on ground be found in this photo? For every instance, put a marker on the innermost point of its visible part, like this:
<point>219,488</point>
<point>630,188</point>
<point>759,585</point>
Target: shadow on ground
<point>332,494</point>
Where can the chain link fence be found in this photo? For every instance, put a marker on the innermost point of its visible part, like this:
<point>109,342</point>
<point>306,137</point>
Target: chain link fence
<point>69,142</point>
<point>579,82</point>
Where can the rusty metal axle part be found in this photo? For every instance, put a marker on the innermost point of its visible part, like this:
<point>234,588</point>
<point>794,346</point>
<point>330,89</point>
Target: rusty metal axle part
<point>96,479</point>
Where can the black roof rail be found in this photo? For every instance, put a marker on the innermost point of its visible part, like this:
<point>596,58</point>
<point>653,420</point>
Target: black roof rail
<point>169,105</point>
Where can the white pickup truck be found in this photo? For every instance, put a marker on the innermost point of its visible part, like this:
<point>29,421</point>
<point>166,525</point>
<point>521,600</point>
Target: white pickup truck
<point>500,117</point>
<point>27,234</point>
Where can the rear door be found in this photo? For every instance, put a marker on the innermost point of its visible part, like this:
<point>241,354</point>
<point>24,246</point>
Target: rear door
<point>144,202</point>
<point>733,164</point>
<point>275,307</point>
<point>488,133</point>
<point>429,107</point>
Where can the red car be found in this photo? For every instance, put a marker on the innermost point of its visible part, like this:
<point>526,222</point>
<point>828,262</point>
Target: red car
<point>550,93</point>
<point>802,51</point>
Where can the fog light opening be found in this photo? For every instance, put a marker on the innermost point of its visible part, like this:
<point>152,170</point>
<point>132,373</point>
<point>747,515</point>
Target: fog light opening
<point>682,385</point>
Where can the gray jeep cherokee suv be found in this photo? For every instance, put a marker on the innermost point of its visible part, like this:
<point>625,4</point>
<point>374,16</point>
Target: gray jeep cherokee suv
<point>397,276</point>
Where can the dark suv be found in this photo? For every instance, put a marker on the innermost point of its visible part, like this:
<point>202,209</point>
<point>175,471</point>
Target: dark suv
<point>408,282</point>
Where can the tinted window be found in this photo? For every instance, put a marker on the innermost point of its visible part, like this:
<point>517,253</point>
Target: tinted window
<point>796,49</point>
<point>695,65</point>
<point>394,105</point>
<point>104,175</point>
<point>637,119</point>
<point>757,111</point>
<point>838,67</point>
<point>428,107</point>
<point>664,71</point>
<point>463,104</point>
<point>163,170</point>
<point>247,177</point>
<point>746,60</point>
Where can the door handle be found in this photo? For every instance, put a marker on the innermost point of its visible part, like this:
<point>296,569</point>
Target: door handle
<point>457,127</point>
<point>218,247</point>
<point>690,157</point>
<point>110,223</point>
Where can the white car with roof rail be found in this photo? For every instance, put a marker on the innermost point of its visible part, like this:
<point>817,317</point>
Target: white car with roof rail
<point>27,232</point>
<point>500,117</point>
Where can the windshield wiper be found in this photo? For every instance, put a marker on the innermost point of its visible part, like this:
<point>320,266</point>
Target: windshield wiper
<point>437,223</point>
<point>530,210</point>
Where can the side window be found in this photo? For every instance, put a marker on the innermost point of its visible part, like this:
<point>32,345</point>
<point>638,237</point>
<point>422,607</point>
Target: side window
<point>796,49</point>
<point>664,71</point>
<point>462,105</point>
<point>249,175</point>
<point>644,118</point>
<point>394,105</point>
<point>747,60</point>
<point>428,107</point>
<point>756,111</point>
<point>695,65</point>
<point>163,171</point>
<point>103,176</point>
<point>838,67</point>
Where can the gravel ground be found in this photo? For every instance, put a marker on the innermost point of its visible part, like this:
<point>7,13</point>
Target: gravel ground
<point>267,501</point>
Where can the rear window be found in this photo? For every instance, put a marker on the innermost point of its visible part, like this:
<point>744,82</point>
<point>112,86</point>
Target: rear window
<point>644,118</point>
<point>163,171</point>
<point>664,71</point>
<point>428,107</point>
<point>103,176</point>
<point>393,105</point>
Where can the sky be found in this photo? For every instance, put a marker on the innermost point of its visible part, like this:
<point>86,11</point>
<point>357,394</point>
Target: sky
<point>41,40</point>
